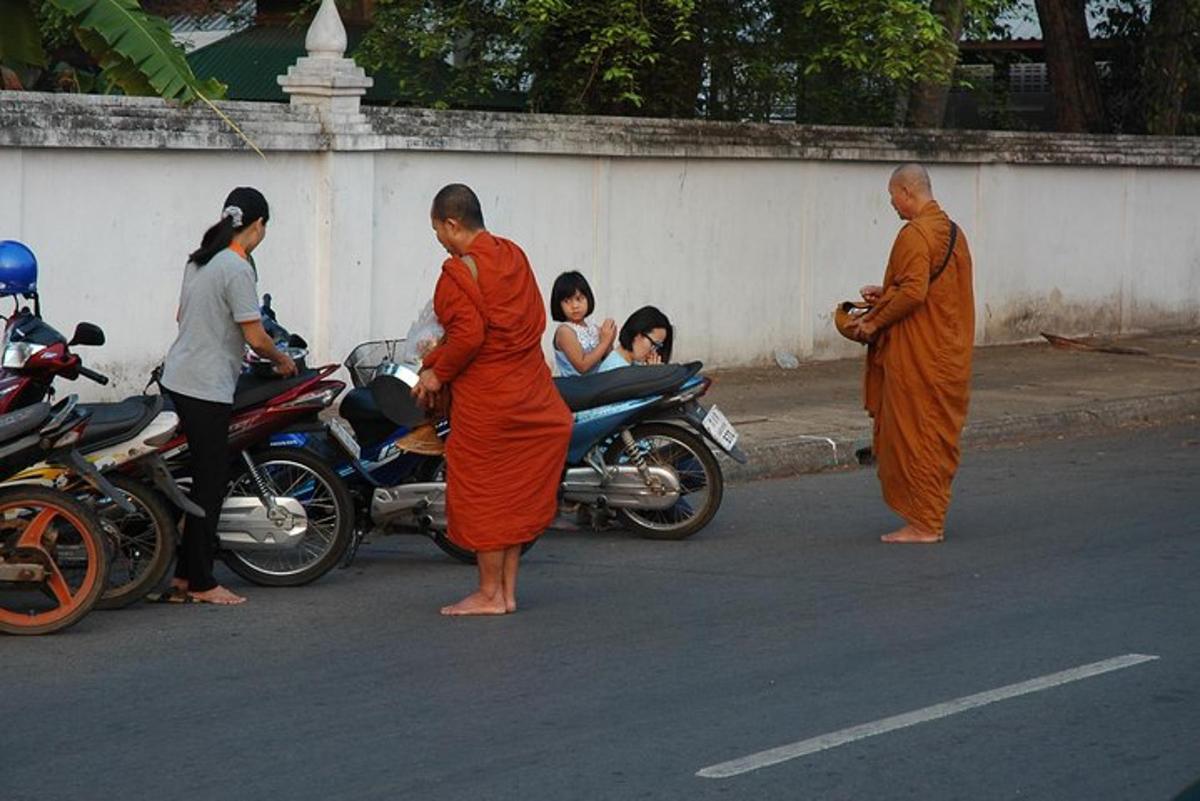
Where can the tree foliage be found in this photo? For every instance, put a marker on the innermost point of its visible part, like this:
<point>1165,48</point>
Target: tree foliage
<point>1152,81</point>
<point>811,60</point>
<point>52,44</point>
<point>569,56</point>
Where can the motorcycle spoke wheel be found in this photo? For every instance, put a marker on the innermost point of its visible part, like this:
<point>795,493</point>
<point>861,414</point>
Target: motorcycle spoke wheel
<point>701,482</point>
<point>143,542</point>
<point>290,473</point>
<point>58,535</point>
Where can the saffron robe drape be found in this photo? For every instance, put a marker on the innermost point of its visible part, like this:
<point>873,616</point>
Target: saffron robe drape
<point>918,376</point>
<point>509,426</point>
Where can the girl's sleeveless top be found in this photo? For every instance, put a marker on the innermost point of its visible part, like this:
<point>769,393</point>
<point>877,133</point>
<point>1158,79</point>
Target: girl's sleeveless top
<point>589,340</point>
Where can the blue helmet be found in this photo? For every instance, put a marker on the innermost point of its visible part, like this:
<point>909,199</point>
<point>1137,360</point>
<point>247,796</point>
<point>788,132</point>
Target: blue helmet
<point>18,269</point>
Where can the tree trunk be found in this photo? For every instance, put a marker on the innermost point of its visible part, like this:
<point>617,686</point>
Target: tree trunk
<point>927,103</point>
<point>1166,63</point>
<point>1078,106</point>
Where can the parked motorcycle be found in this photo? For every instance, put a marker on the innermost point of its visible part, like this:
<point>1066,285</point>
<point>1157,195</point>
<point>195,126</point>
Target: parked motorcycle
<point>637,450</point>
<point>53,556</point>
<point>288,518</point>
<point>121,440</point>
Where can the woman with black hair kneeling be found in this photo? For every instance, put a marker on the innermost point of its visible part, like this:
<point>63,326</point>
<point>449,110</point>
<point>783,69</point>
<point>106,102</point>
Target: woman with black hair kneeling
<point>646,338</point>
<point>218,312</point>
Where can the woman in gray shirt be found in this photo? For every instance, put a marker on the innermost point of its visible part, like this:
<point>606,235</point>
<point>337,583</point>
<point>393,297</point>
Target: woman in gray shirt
<point>218,313</point>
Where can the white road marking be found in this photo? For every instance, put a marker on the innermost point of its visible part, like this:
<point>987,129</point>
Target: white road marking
<point>824,742</point>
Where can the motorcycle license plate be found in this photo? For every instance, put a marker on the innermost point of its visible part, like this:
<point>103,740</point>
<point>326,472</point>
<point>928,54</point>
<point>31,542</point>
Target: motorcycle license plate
<point>345,437</point>
<point>716,424</point>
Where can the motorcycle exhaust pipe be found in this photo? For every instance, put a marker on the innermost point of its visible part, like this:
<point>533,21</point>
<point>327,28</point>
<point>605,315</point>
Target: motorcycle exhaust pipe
<point>623,487</point>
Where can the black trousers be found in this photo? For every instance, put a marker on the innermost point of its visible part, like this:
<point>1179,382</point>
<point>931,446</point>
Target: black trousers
<point>206,425</point>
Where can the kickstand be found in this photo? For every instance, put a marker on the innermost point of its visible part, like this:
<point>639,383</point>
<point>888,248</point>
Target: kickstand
<point>352,551</point>
<point>600,517</point>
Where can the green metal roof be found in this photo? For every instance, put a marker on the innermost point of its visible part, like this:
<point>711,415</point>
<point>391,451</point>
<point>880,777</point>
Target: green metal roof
<point>250,61</point>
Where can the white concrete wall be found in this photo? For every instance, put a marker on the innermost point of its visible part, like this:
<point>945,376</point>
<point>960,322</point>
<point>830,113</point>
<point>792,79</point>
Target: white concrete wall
<point>745,253</point>
<point>112,231</point>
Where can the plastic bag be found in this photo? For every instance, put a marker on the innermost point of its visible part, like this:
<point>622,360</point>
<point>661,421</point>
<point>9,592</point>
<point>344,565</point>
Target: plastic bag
<point>423,336</point>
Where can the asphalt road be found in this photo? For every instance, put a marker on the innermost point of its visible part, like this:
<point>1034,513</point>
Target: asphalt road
<point>633,664</point>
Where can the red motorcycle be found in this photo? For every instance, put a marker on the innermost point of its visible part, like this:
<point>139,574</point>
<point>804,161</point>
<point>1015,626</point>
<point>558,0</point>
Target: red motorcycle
<point>288,517</point>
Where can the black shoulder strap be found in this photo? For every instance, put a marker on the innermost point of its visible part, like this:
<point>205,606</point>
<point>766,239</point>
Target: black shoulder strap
<point>949,252</point>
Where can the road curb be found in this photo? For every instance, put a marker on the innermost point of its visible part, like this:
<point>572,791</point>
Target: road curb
<point>797,455</point>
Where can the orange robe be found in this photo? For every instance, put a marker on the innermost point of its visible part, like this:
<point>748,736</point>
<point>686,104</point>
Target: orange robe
<point>918,377</point>
<point>509,426</point>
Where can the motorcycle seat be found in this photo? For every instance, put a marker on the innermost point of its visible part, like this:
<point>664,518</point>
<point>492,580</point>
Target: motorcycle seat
<point>253,390</point>
<point>600,389</point>
<point>110,423</point>
<point>19,423</point>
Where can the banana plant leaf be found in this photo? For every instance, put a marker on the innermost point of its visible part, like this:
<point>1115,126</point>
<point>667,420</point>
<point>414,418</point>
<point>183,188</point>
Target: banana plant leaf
<point>20,37</point>
<point>135,50</point>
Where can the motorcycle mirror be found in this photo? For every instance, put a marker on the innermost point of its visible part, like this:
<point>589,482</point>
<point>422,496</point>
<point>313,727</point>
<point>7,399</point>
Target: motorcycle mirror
<point>87,334</point>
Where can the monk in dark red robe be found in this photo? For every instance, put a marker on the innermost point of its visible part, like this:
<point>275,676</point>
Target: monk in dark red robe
<point>510,427</point>
<point>921,331</point>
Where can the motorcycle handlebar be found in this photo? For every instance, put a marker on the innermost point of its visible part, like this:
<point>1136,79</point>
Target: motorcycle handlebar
<point>99,378</point>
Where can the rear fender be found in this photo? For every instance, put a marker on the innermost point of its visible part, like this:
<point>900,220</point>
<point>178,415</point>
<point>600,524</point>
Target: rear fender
<point>85,470</point>
<point>692,413</point>
<point>315,385</point>
<point>593,426</point>
<point>256,425</point>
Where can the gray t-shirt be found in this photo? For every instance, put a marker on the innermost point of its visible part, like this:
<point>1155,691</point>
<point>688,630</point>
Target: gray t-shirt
<point>207,355</point>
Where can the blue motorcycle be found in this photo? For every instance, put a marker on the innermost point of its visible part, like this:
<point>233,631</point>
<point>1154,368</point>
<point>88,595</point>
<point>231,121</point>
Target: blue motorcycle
<point>640,450</point>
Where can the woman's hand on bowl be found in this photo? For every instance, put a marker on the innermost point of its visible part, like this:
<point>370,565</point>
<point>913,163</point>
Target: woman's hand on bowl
<point>285,366</point>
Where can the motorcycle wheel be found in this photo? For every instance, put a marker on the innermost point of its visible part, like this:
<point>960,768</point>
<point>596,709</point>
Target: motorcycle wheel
<point>143,542</point>
<point>435,470</point>
<point>62,535</point>
<point>699,473</point>
<point>297,473</point>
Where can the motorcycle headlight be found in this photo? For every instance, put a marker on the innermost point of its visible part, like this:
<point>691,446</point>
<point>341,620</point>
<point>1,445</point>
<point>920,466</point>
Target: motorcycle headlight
<point>17,353</point>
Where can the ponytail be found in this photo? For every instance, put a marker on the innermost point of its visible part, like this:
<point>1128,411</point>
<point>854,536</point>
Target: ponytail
<point>216,239</point>
<point>244,206</point>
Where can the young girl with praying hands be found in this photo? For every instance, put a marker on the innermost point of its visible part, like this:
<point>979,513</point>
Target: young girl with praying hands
<point>579,344</point>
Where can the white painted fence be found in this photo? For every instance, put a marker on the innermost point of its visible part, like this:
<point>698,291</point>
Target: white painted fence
<point>745,235</point>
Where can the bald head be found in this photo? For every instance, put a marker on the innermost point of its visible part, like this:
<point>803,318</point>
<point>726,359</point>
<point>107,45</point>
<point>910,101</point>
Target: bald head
<point>914,176</point>
<point>910,189</point>
<point>458,202</point>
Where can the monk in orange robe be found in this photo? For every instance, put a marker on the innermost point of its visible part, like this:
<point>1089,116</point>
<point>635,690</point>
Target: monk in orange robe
<point>921,331</point>
<point>510,427</point>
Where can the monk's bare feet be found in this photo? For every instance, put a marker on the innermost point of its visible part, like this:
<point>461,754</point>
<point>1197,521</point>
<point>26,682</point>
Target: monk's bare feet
<point>911,534</point>
<point>218,595</point>
<point>477,604</point>
<point>510,604</point>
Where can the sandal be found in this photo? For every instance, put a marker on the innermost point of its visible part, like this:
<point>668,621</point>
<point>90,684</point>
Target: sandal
<point>171,595</point>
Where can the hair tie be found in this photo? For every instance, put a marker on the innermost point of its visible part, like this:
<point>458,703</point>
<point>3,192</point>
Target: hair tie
<point>234,213</point>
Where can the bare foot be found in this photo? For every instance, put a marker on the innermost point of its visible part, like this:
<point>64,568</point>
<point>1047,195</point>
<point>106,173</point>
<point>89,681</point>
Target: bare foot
<point>477,604</point>
<point>218,595</point>
<point>510,604</point>
<point>911,534</point>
